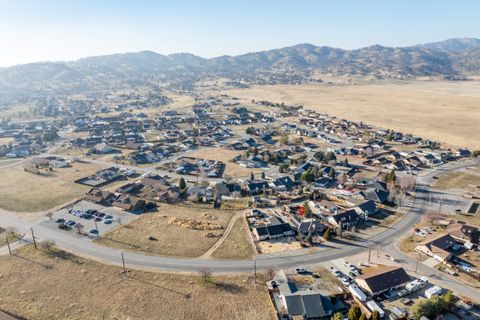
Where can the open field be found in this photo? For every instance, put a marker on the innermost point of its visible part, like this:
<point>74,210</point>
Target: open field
<point>22,191</point>
<point>443,111</point>
<point>171,239</point>
<point>237,244</point>
<point>458,180</point>
<point>69,287</point>
<point>218,154</point>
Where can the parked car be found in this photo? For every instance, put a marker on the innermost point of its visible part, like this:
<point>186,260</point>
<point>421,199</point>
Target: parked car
<point>107,221</point>
<point>70,223</point>
<point>300,269</point>
<point>93,231</point>
<point>60,220</point>
<point>350,266</point>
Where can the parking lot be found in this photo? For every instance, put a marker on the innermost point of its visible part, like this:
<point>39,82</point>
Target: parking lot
<point>90,218</point>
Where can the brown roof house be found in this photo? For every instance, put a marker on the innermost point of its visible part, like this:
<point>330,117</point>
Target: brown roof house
<point>382,279</point>
<point>129,203</point>
<point>99,196</point>
<point>437,247</point>
<point>464,232</point>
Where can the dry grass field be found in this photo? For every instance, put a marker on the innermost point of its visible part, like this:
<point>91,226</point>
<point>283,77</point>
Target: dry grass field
<point>172,239</point>
<point>237,244</point>
<point>439,110</point>
<point>76,288</point>
<point>22,191</point>
<point>458,180</point>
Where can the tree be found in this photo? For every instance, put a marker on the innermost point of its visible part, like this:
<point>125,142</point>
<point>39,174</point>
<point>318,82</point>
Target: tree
<point>339,229</point>
<point>307,176</point>
<point>354,313</point>
<point>249,130</point>
<point>327,234</point>
<point>182,184</point>
<point>47,245</point>
<point>49,215</point>
<point>375,315</point>
<point>308,210</point>
<point>449,299</point>
<point>337,316</point>
<point>206,275</point>
<point>319,156</point>
<point>331,173</point>
<point>390,177</point>
<point>363,317</point>
<point>284,139</point>
<point>345,163</point>
<point>309,238</point>
<point>263,176</point>
<point>252,176</point>
<point>330,156</point>
<point>429,308</point>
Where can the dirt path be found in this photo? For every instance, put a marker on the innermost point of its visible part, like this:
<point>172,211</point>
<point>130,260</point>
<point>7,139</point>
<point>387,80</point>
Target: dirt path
<point>208,254</point>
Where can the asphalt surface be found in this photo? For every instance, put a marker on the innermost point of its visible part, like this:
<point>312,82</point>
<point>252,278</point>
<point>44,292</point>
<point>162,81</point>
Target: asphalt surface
<point>386,240</point>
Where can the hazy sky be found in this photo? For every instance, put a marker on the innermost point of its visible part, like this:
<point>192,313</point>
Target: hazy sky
<point>39,30</point>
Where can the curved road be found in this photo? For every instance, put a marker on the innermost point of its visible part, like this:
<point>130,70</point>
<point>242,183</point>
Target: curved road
<point>386,239</point>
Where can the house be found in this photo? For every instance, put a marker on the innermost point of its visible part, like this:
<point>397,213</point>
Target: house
<point>376,195</point>
<point>366,208</point>
<point>437,247</point>
<point>346,219</point>
<point>102,148</point>
<point>274,229</point>
<point>129,203</point>
<point>282,183</point>
<point>463,232</point>
<point>99,196</point>
<point>382,279</point>
<point>310,225</point>
<point>303,304</point>
<point>256,186</point>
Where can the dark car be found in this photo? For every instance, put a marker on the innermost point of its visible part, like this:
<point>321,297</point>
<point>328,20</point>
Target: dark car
<point>60,220</point>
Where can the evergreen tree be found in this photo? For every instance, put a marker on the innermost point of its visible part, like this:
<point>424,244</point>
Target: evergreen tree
<point>330,156</point>
<point>308,210</point>
<point>252,176</point>
<point>345,163</point>
<point>363,317</point>
<point>331,174</point>
<point>375,315</point>
<point>319,156</point>
<point>354,313</point>
<point>263,175</point>
<point>337,316</point>
<point>327,234</point>
<point>182,184</point>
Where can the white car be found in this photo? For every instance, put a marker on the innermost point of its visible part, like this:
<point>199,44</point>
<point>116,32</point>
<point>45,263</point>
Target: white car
<point>422,233</point>
<point>350,266</point>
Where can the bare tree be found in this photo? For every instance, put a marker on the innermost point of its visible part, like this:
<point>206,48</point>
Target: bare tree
<point>119,220</point>
<point>49,215</point>
<point>47,245</point>
<point>206,275</point>
<point>271,273</point>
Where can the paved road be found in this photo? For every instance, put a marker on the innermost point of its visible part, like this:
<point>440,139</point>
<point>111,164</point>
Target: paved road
<point>386,239</point>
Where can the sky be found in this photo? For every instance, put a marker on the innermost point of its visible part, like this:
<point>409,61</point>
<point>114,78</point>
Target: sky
<point>52,30</point>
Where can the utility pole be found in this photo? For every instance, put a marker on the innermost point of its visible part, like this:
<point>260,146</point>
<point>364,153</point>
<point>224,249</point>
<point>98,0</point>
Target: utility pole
<point>254,270</point>
<point>123,263</point>
<point>34,240</point>
<point>8,244</point>
<point>96,227</point>
<point>369,251</point>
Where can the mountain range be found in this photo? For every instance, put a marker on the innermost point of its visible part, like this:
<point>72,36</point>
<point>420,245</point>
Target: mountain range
<point>453,59</point>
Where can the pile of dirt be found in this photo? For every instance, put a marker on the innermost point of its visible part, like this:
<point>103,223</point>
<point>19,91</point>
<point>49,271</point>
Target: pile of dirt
<point>212,234</point>
<point>188,223</point>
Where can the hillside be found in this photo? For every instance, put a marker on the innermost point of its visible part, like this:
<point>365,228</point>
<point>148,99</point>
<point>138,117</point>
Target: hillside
<point>451,59</point>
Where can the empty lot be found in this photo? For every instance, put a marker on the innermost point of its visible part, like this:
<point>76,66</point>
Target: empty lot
<point>172,239</point>
<point>69,287</point>
<point>439,110</point>
<point>22,191</point>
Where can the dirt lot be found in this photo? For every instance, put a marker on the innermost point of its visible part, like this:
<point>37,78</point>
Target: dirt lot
<point>237,244</point>
<point>172,239</point>
<point>22,191</point>
<point>60,281</point>
<point>444,111</point>
<point>218,154</point>
<point>277,245</point>
<point>458,180</point>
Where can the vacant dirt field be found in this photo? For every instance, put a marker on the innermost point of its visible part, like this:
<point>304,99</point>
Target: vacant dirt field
<point>237,244</point>
<point>172,239</point>
<point>69,287</point>
<point>458,180</point>
<point>22,191</point>
<point>439,110</point>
